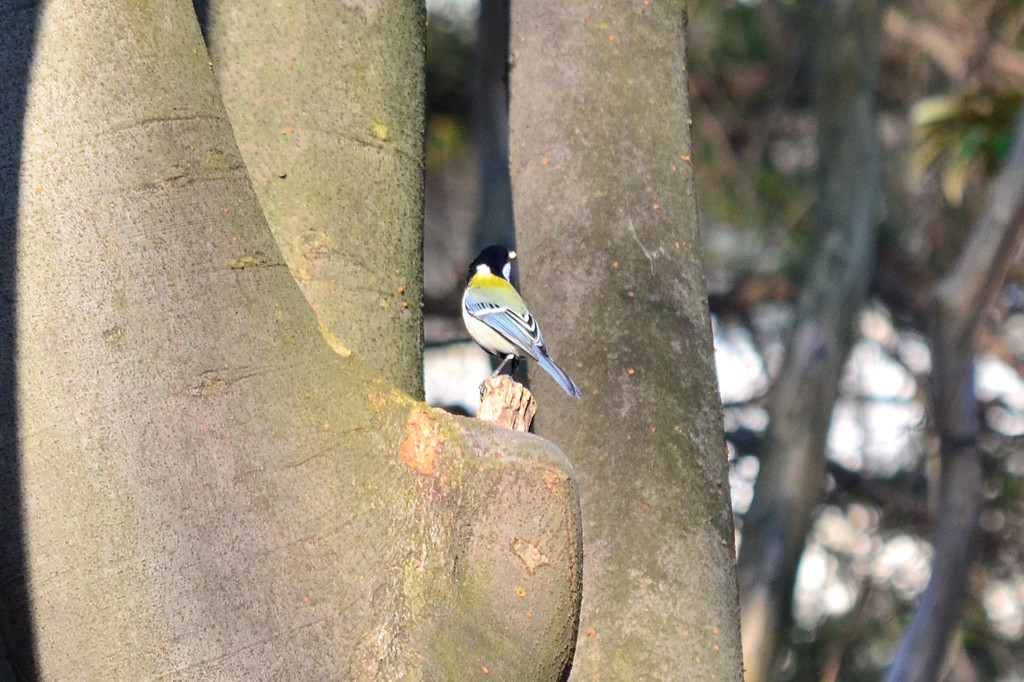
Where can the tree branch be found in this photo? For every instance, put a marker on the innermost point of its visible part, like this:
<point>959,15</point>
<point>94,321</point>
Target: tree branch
<point>960,299</point>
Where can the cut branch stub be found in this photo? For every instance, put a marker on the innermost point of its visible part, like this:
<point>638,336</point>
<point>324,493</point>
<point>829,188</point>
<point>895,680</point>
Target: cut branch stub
<point>507,403</point>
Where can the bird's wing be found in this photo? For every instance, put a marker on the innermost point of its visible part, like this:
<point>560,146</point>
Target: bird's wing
<point>503,310</point>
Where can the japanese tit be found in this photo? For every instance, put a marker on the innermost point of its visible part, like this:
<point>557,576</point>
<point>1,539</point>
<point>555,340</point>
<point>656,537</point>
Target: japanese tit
<point>498,320</point>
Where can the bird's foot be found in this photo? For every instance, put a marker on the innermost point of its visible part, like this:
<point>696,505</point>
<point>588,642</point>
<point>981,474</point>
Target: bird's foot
<point>508,359</point>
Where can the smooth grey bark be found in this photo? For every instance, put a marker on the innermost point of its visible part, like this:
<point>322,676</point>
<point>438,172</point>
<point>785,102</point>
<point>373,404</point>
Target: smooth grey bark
<point>960,299</point>
<point>207,491</point>
<point>608,239</point>
<point>327,103</point>
<point>792,475</point>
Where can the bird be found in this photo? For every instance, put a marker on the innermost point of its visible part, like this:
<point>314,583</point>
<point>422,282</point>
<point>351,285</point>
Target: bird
<point>497,318</point>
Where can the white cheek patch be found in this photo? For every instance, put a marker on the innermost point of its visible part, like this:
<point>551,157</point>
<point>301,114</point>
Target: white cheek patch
<point>506,271</point>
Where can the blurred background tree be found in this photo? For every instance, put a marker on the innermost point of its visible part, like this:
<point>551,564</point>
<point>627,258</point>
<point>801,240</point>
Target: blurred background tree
<point>947,91</point>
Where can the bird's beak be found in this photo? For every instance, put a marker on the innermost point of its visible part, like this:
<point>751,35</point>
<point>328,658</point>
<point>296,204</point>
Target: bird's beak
<point>511,255</point>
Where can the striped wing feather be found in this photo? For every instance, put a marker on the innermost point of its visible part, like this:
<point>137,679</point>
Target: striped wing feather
<point>518,326</point>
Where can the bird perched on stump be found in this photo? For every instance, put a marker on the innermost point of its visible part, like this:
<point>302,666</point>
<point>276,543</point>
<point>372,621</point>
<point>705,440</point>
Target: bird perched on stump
<point>498,319</point>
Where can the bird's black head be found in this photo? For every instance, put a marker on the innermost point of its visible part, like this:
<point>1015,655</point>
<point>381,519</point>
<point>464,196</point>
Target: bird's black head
<point>497,260</point>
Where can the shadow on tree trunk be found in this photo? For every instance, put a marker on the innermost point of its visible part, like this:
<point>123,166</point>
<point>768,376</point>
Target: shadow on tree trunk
<point>16,42</point>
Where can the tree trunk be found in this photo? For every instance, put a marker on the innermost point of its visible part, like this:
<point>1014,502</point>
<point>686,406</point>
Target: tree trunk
<point>792,476</point>
<point>326,101</point>
<point>194,485</point>
<point>611,267</point>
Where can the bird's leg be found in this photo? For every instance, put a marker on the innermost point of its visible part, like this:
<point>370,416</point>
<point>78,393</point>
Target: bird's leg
<point>508,358</point>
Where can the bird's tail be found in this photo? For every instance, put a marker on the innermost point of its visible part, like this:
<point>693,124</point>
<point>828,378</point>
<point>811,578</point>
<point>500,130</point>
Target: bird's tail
<point>555,371</point>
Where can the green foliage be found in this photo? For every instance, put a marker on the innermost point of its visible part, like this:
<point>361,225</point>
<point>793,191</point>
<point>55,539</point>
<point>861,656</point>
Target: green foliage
<point>449,48</point>
<point>742,36</point>
<point>964,134</point>
<point>445,140</point>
